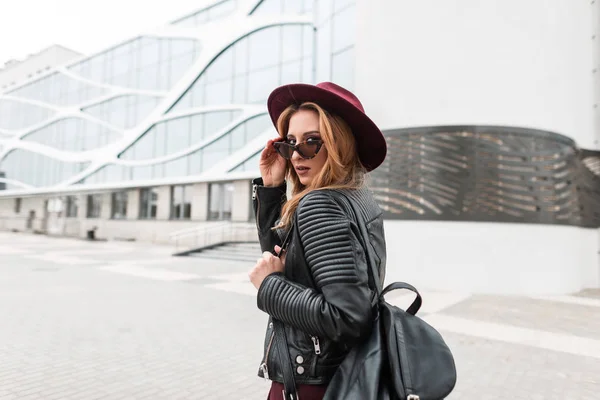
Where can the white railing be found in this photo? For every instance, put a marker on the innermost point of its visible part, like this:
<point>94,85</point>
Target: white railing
<point>210,234</point>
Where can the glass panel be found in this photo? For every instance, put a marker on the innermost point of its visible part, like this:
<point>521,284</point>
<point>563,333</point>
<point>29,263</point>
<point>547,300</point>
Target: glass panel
<point>215,192</point>
<point>124,111</point>
<point>119,205</point>
<point>269,7</point>
<point>324,50</point>
<point>291,72</point>
<point>142,63</point>
<point>219,93</point>
<point>241,57</point>
<point>191,164</point>
<point>324,10</point>
<point>227,200</point>
<point>264,48</point>
<point>177,134</point>
<point>177,167</point>
<point>261,83</point>
<point>251,164</point>
<point>74,134</point>
<point>292,42</point>
<point>148,201</point>
<point>215,152</point>
<point>181,202</point>
<point>16,115</point>
<point>342,68</point>
<point>141,172</point>
<point>221,68</point>
<point>38,170</point>
<point>212,13</point>
<point>343,29</point>
<point>94,205</point>
<point>60,90</point>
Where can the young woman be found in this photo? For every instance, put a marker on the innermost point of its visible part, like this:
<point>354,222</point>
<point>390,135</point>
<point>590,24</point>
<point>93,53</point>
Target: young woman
<point>319,286</point>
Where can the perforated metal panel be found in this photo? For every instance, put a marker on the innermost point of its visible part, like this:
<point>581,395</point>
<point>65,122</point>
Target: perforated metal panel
<point>488,173</point>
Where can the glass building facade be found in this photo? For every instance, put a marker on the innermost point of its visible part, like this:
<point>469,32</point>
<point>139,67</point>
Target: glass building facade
<point>163,106</point>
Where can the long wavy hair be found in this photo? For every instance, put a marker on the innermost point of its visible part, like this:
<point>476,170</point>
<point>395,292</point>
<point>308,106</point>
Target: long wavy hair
<point>342,169</point>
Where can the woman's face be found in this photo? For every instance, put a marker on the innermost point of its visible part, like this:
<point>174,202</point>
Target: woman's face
<point>304,127</point>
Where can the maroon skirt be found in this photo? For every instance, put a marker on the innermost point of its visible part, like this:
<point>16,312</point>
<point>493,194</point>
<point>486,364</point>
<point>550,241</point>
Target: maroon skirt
<point>305,392</point>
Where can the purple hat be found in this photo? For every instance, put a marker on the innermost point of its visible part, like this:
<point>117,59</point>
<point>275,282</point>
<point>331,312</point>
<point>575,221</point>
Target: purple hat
<point>371,144</point>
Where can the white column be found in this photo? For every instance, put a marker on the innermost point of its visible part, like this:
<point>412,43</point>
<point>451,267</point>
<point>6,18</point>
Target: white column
<point>240,207</point>
<point>163,208</point>
<point>106,209</point>
<point>200,201</point>
<point>133,204</point>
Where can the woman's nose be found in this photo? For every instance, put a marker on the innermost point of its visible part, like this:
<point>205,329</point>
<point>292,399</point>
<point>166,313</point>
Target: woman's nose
<point>296,156</point>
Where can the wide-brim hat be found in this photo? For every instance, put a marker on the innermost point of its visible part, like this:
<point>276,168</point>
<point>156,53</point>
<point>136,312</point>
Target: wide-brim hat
<point>370,142</point>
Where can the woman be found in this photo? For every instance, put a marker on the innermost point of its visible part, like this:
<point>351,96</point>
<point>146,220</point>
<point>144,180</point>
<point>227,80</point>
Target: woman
<point>319,286</point>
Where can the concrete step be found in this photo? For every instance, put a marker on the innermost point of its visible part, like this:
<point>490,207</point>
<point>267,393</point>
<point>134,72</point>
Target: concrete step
<point>232,251</point>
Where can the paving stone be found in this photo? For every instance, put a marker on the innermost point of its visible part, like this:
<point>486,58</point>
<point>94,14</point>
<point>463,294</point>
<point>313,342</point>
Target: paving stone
<point>551,316</point>
<point>75,331</point>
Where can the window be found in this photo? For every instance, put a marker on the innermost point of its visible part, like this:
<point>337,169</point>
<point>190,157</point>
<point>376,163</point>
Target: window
<point>148,203</point>
<point>220,199</point>
<point>119,205</point>
<point>94,205</point>
<point>181,202</point>
<point>18,205</point>
<point>72,207</point>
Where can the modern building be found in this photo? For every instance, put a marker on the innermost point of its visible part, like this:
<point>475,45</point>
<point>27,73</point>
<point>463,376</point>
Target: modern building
<point>16,71</point>
<point>492,183</point>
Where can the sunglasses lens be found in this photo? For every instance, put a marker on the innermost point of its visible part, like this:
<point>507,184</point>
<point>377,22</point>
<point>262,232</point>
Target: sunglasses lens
<point>284,150</point>
<point>308,150</point>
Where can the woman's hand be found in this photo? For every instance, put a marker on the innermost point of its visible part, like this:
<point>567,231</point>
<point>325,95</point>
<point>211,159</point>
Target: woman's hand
<point>272,165</point>
<point>265,266</point>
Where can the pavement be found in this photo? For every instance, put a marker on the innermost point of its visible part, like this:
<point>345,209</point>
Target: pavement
<point>121,320</point>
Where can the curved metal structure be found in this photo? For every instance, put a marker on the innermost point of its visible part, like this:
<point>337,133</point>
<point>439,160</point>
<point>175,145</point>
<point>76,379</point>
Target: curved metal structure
<point>488,173</point>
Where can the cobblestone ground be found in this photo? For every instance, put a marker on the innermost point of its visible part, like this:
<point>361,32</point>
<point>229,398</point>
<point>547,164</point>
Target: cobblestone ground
<point>108,320</point>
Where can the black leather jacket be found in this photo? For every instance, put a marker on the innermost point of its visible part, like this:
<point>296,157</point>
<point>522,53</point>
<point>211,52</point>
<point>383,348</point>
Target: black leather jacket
<point>324,295</point>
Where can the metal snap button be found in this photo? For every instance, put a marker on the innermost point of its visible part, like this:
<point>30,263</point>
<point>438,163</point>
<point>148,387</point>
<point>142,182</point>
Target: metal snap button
<point>300,370</point>
<point>299,359</point>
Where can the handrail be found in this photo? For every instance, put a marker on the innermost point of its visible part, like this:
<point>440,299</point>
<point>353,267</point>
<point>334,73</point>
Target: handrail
<point>196,229</point>
<point>212,234</point>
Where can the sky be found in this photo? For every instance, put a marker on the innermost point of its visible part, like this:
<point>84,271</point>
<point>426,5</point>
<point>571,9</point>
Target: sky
<point>86,26</point>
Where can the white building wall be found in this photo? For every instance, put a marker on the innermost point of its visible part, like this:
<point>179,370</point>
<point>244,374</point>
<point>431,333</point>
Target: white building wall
<point>499,62</point>
<point>512,63</point>
<point>491,258</point>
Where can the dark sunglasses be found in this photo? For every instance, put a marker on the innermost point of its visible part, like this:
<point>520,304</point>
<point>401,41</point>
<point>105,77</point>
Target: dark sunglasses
<point>307,150</point>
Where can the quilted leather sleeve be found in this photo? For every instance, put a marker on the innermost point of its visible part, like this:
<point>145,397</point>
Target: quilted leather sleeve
<point>267,203</point>
<point>340,307</point>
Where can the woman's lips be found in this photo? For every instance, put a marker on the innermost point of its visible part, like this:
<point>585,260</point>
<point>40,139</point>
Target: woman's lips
<point>302,170</point>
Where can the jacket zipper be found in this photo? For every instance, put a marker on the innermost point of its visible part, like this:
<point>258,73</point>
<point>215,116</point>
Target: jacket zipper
<point>255,197</point>
<point>263,366</point>
<point>316,344</point>
<point>317,347</point>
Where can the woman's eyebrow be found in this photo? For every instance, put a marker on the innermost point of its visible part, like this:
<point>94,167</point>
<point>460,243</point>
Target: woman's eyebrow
<point>304,134</point>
